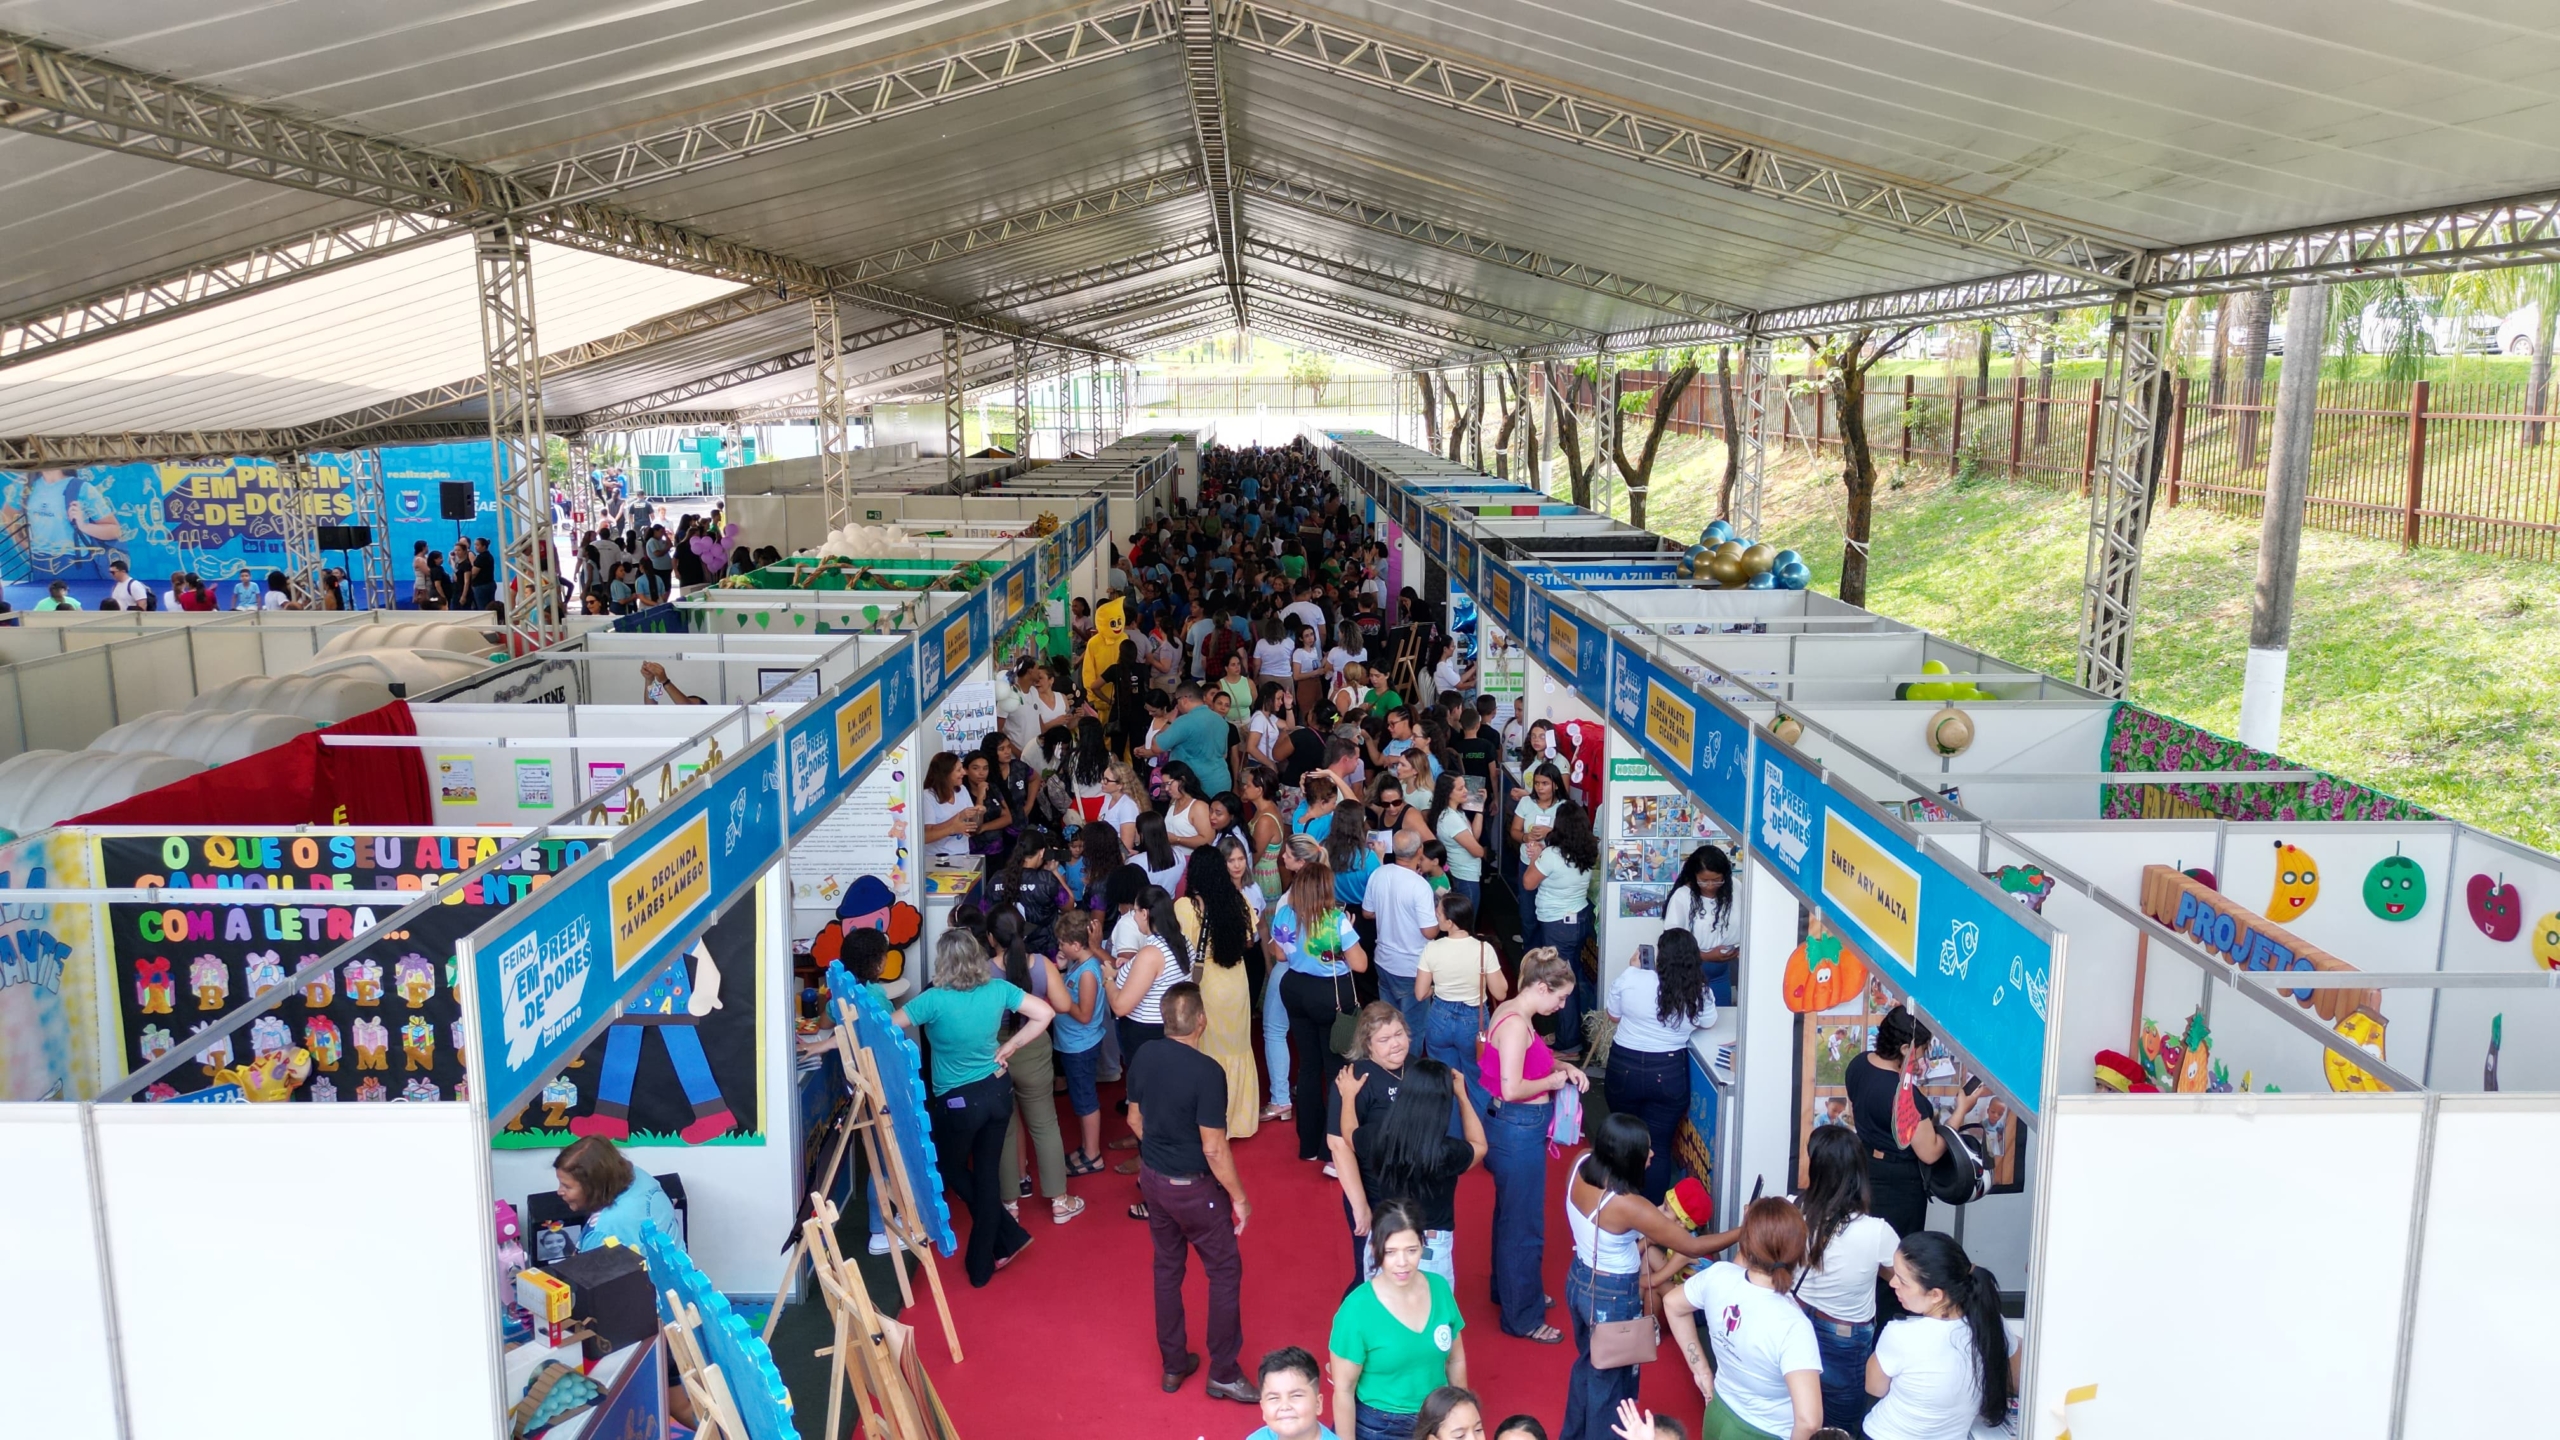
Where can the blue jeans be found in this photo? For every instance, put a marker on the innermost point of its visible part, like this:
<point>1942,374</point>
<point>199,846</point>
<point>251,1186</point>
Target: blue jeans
<point>1371,1424</point>
<point>1516,1156</point>
<point>1397,990</point>
<point>1081,1067</point>
<point>1275,1036</point>
<point>1448,1035</point>
<point>1654,1089</point>
<point>1591,1396</point>
<point>1472,889</point>
<point>1567,937</point>
<point>1719,975</point>
<point>1845,1346</point>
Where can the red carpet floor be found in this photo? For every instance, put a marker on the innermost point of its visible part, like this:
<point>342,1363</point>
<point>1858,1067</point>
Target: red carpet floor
<point>1062,1343</point>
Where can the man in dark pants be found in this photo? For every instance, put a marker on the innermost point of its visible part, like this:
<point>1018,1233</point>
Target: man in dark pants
<point>1178,1106</point>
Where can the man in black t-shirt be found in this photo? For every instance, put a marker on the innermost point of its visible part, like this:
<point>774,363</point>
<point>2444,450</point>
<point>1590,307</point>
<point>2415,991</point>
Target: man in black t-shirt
<point>1475,748</point>
<point>1178,1106</point>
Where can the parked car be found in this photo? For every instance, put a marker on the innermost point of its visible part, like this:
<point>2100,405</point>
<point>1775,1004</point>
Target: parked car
<point>2379,329</point>
<point>2516,333</point>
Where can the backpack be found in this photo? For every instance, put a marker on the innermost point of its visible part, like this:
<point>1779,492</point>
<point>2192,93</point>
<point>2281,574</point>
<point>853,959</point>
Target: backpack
<point>1960,1176</point>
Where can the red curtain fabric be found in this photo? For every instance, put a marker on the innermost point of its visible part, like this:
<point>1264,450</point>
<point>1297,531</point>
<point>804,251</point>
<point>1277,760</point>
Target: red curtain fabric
<point>301,782</point>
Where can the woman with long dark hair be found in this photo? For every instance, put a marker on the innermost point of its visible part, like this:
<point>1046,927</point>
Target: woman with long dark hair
<point>1312,941</point>
<point>1087,767</point>
<point>1897,1160</point>
<point>1945,1364</point>
<point>1033,1071</point>
<point>1407,1155</point>
<point>1557,871</point>
<point>1099,859</point>
<point>1611,1224</point>
<point>1847,1251</point>
<point>1226,937</point>
<point>1266,731</point>
<point>987,794</point>
<point>1460,832</point>
<point>1013,784</point>
<point>1155,852</point>
<point>1186,810</point>
<point>1151,960</point>
<point>1459,974</point>
<point>1701,903</point>
<point>1347,851</point>
<point>1029,882</point>
<point>1658,1008</point>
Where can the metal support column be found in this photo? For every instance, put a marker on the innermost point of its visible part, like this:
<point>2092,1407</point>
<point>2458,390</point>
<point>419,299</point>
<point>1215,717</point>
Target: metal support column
<point>1093,405</point>
<point>1751,475</point>
<point>1021,400</point>
<point>373,511</point>
<point>1548,440</point>
<point>529,567</point>
<point>300,528</point>
<point>1604,426</point>
<point>1395,406</point>
<point>1475,407</point>
<point>954,431</point>
<point>835,425</point>
<point>2120,491</point>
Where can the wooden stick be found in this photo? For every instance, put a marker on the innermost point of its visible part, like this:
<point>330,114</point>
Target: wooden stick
<point>863,1356</point>
<point>826,1185</point>
<point>2133,1028</point>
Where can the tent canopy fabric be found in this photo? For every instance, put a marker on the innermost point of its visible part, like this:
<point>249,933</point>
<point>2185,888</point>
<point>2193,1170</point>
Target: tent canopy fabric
<point>301,782</point>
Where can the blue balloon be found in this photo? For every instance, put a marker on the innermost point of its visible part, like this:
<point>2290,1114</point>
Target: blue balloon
<point>1785,559</point>
<point>1762,581</point>
<point>1794,577</point>
<point>1718,532</point>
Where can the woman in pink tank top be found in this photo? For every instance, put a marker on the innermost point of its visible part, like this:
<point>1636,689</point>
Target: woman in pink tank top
<point>1519,1075</point>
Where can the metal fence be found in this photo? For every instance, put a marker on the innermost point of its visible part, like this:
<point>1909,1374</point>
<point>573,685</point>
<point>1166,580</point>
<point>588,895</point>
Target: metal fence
<point>2464,466</point>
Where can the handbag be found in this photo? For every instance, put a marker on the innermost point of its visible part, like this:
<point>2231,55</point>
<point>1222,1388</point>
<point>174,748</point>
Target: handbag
<point>1346,1017</point>
<point>1616,1344</point>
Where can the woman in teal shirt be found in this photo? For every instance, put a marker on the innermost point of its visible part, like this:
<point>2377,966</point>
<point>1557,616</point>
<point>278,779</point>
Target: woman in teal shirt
<point>1395,1339</point>
<point>972,1099</point>
<point>595,1180</point>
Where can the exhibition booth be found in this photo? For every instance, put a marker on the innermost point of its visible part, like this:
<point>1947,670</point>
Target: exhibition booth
<point>1958,826</point>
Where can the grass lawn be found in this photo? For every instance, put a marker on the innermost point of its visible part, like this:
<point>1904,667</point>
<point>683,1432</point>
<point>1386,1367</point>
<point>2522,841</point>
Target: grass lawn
<point>2434,676</point>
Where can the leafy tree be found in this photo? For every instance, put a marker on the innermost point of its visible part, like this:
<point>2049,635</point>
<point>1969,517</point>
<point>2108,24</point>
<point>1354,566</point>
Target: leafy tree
<point>1312,369</point>
<point>1845,361</point>
<point>1430,410</point>
<point>1638,474</point>
<point>1562,381</point>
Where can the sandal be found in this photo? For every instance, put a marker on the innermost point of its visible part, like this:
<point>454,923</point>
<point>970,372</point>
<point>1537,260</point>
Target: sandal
<point>1126,1167</point>
<point>1079,1163</point>
<point>1272,1114</point>
<point>1065,1208</point>
<point>1125,1142</point>
<point>1138,1211</point>
<point>1544,1335</point>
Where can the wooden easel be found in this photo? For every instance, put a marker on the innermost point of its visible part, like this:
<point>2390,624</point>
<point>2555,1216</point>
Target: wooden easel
<point>870,1119</point>
<point>715,1409</point>
<point>865,1357</point>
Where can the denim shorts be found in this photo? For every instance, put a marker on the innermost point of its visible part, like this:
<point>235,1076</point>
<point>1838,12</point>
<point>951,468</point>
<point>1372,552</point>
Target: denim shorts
<point>1080,1066</point>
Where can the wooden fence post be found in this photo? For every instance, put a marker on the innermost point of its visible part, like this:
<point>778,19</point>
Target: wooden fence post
<point>2017,421</point>
<point>1906,419</point>
<point>1818,394</point>
<point>1955,432</point>
<point>2177,466</point>
<point>2089,449</point>
<point>2417,465</point>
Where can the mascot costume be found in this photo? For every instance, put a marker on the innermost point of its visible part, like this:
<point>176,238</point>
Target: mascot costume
<point>1110,627</point>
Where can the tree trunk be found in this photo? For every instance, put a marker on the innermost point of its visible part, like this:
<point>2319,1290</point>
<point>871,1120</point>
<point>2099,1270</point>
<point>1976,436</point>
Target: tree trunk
<point>2044,378</point>
<point>1982,360</point>
<point>2280,527</point>
<point>1732,432</point>
<point>1639,475</point>
<point>1430,411</point>
<point>2221,348</point>
<point>1510,422</point>
<point>1857,471</point>
<point>2537,384</point>
<point>2253,374</point>
<point>1569,437</point>
<point>1457,419</point>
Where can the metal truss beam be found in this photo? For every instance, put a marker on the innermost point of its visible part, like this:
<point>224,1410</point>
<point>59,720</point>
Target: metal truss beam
<point>835,427</point>
<point>2120,492</point>
<point>300,527</point>
<point>1377,218</point>
<point>1751,475</point>
<point>1024,225</point>
<point>771,365</point>
<point>1743,163</point>
<point>679,418</point>
<point>1197,26</point>
<point>1021,401</point>
<point>46,90</point>
<point>1107,314</point>
<point>528,566</point>
<point>976,70</point>
<point>127,308</point>
<point>955,412</point>
<point>2023,293</point>
<point>1334,329</point>
<point>1035,292</point>
<point>1323,301</point>
<point>1346,270</point>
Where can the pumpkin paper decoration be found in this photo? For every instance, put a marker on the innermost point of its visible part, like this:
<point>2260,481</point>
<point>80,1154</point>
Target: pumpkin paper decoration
<point>1823,973</point>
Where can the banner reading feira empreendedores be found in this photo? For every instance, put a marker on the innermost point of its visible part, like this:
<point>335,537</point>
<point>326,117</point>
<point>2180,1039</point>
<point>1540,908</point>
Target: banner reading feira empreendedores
<point>216,518</point>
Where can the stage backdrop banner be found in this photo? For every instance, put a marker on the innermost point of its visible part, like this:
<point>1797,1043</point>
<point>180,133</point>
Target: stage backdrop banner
<point>219,518</point>
<point>384,1026</point>
<point>664,1074</point>
<point>48,973</point>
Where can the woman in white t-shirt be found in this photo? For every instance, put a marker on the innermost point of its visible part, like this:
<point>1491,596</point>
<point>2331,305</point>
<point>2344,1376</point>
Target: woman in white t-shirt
<point>1847,1251</point>
<point>1535,815</point>
<point>1701,902</point>
<point>1349,646</point>
<point>1042,706</point>
<point>1271,654</point>
<point>1120,802</point>
<point>950,816</point>
<point>1306,667</point>
<point>1767,1380</point>
<point>1265,730</point>
<point>1658,1007</point>
<point>1945,1365</point>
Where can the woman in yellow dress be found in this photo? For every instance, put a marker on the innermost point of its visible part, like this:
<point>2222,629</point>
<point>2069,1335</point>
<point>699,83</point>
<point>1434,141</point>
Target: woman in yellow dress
<point>1219,923</point>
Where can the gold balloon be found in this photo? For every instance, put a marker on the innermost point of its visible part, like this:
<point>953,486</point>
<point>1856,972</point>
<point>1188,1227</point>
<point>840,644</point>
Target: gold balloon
<point>1950,731</point>
<point>1759,558</point>
<point>1730,550</point>
<point>1727,570</point>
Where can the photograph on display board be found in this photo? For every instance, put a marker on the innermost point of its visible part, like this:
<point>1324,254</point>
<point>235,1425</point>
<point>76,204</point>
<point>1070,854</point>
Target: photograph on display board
<point>1666,817</point>
<point>1652,862</point>
<point>1642,902</point>
<point>1829,1041</point>
<point>383,1026</point>
<point>679,1066</point>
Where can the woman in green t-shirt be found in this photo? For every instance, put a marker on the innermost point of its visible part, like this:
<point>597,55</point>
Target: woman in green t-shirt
<point>1395,1339</point>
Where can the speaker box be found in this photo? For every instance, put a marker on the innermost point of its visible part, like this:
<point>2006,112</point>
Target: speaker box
<point>458,501</point>
<point>345,537</point>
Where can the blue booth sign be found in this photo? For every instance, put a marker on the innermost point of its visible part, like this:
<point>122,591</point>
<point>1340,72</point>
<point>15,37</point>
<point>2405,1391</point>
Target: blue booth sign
<point>1465,558</point>
<point>1574,648</point>
<point>833,744</point>
<point>1435,534</point>
<point>1696,746</point>
<point>950,646</point>
<point>1501,595</point>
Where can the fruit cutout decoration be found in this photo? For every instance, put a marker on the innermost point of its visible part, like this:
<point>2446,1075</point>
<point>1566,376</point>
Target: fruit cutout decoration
<point>2495,907</point>
<point>1820,975</point>
<point>2395,888</point>
<point>2203,877</point>
<point>2546,941</point>
<point>2297,883</point>
<point>2363,1029</point>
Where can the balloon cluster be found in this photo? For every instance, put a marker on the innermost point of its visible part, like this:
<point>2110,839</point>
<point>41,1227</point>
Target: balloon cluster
<point>865,542</point>
<point>1740,564</point>
<point>1940,689</point>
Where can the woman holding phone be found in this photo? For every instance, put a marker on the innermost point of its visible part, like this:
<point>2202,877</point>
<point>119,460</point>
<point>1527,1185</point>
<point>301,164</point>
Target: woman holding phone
<point>951,816</point>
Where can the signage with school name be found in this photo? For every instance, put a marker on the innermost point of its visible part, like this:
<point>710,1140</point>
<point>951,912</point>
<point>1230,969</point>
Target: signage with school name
<point>660,891</point>
<point>1882,893</point>
<point>832,743</point>
<point>951,645</point>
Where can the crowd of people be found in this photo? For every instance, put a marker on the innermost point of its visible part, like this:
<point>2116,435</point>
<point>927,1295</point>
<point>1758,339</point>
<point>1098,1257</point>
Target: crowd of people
<point>1273,799</point>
